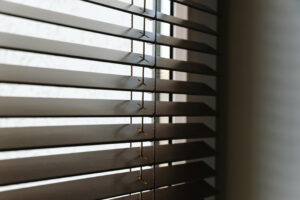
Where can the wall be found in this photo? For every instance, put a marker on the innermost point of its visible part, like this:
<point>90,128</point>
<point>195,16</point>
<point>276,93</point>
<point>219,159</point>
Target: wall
<point>263,117</point>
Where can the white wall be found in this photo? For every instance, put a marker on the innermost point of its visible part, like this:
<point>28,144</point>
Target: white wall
<point>264,100</point>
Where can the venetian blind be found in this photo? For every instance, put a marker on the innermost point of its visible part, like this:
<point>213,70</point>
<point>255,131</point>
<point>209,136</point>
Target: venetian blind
<point>83,110</point>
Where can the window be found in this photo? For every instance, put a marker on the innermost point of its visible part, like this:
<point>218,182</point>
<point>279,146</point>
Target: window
<point>96,98</point>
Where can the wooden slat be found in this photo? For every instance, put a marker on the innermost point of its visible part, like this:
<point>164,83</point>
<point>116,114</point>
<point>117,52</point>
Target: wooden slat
<point>192,191</point>
<point>182,87</point>
<point>136,10</point>
<point>73,21</point>
<point>17,138</point>
<point>67,78</point>
<point>184,44</point>
<point>183,109</point>
<point>183,131</point>
<point>184,66</point>
<point>196,5</point>
<point>59,107</point>
<point>188,24</point>
<point>184,151</point>
<point>58,136</point>
<point>189,191</point>
<point>43,15</point>
<point>112,185</point>
<point>58,48</point>
<point>54,47</point>
<point>45,167</point>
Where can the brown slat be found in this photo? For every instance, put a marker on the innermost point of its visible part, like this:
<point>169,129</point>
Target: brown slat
<point>191,25</point>
<point>59,107</point>
<point>185,151</point>
<point>45,167</point>
<point>54,47</point>
<point>184,44</point>
<point>197,5</point>
<point>189,191</point>
<point>182,87</point>
<point>56,77</point>
<point>183,131</point>
<point>58,136</point>
<point>192,191</point>
<point>16,106</point>
<point>183,109</point>
<point>183,66</point>
<point>67,78</point>
<point>17,138</point>
<point>111,185</point>
<point>133,9</point>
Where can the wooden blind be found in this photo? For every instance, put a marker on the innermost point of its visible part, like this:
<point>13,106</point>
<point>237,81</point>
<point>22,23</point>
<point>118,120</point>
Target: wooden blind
<point>146,170</point>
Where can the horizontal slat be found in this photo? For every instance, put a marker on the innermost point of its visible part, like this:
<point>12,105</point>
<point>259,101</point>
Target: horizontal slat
<point>58,136</point>
<point>67,78</point>
<point>183,66</point>
<point>183,109</point>
<point>59,107</point>
<point>189,191</point>
<point>112,185</point>
<point>184,151</point>
<point>183,131</point>
<point>187,24</point>
<point>53,47</point>
<point>184,44</point>
<point>38,107</point>
<point>73,21</point>
<point>133,9</point>
<point>192,191</point>
<point>196,5</point>
<point>182,87</point>
<point>55,166</point>
<point>49,16</point>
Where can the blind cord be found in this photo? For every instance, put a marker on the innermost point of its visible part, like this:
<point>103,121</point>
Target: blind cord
<point>131,74</point>
<point>131,69</point>
<point>141,130</point>
<point>171,55</point>
<point>154,114</point>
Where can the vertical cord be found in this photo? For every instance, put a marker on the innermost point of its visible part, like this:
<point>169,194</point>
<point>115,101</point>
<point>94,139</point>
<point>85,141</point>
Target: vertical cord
<point>171,54</point>
<point>131,74</point>
<point>144,48</point>
<point>131,67</point>
<point>171,57</point>
<point>131,71</point>
<point>154,114</point>
<point>143,103</point>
